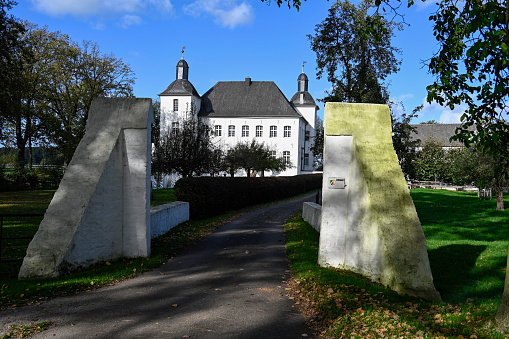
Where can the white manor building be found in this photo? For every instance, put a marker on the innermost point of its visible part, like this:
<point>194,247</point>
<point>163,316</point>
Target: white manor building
<point>240,111</point>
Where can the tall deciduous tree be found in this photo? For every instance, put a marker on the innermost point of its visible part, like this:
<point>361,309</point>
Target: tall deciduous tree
<point>13,54</point>
<point>430,160</point>
<point>76,75</point>
<point>355,61</point>
<point>404,145</point>
<point>187,150</point>
<point>472,67</point>
<point>253,156</point>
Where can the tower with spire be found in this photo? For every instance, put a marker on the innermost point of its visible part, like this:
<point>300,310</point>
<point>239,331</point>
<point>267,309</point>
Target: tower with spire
<point>179,99</point>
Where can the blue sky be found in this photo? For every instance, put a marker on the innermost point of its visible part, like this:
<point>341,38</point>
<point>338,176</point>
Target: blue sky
<point>228,40</point>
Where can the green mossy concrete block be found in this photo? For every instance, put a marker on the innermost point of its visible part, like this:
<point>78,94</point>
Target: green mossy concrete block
<point>401,261</point>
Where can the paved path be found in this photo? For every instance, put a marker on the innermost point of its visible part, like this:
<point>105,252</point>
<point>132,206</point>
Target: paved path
<point>230,285</point>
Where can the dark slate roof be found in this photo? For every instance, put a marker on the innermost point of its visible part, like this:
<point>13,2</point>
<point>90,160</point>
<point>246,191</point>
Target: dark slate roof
<point>246,99</point>
<point>442,132</point>
<point>182,63</point>
<point>308,99</point>
<point>181,87</point>
<point>302,77</point>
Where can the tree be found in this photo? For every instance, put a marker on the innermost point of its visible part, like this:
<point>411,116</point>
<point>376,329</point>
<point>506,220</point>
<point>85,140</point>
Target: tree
<point>51,82</point>
<point>317,147</point>
<point>356,63</point>
<point>430,160</point>
<point>186,150</point>
<point>13,54</point>
<point>472,67</point>
<point>404,145</point>
<point>76,75</point>
<point>253,156</point>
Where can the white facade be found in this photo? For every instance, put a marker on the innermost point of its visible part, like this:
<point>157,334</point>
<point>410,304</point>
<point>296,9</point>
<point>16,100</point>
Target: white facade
<point>290,133</point>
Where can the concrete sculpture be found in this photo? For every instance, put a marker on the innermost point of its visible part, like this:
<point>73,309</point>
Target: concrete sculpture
<point>369,223</point>
<point>101,210</point>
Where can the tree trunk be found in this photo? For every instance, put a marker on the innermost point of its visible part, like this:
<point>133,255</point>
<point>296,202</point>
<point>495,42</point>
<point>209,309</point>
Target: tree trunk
<point>500,200</point>
<point>502,317</point>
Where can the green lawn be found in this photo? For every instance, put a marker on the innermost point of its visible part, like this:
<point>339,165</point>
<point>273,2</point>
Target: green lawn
<point>467,244</point>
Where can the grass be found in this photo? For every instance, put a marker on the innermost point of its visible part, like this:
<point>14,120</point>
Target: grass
<point>467,244</point>
<point>162,196</point>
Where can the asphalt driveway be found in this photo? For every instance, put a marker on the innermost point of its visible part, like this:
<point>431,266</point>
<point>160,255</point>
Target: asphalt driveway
<point>230,285</point>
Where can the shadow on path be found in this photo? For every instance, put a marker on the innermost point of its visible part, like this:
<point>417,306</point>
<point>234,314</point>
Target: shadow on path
<point>230,285</point>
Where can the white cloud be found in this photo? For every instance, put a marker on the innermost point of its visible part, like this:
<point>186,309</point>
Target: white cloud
<point>128,10</point>
<point>225,13</point>
<point>130,20</point>
<point>423,4</point>
<point>164,6</point>
<point>63,7</point>
<point>434,111</point>
<point>449,117</point>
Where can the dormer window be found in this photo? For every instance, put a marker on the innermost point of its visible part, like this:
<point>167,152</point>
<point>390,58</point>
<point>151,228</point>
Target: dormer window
<point>175,105</point>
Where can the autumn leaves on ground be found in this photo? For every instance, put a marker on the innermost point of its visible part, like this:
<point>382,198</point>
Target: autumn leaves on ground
<point>467,246</point>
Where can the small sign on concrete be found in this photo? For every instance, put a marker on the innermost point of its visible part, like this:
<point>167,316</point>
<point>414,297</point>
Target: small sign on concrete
<point>337,183</point>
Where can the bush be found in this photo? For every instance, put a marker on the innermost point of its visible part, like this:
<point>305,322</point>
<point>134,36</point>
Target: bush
<point>210,196</point>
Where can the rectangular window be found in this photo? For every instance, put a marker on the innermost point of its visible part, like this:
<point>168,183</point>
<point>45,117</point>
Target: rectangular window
<point>175,105</point>
<point>286,157</point>
<point>273,132</point>
<point>217,130</point>
<point>306,159</point>
<point>307,136</point>
<point>245,131</point>
<point>175,126</point>
<point>272,154</point>
<point>231,131</point>
<point>287,132</point>
<point>259,131</point>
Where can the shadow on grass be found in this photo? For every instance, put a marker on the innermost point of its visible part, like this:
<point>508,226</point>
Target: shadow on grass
<point>449,215</point>
<point>457,276</point>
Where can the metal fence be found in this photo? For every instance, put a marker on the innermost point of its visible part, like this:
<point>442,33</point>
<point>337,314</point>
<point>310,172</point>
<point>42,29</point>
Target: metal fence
<point>2,238</point>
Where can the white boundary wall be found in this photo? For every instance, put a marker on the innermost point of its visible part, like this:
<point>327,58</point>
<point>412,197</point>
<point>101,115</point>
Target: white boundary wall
<point>165,217</point>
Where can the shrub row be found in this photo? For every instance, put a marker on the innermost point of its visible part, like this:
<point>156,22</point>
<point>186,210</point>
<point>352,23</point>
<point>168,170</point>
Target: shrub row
<point>29,179</point>
<point>210,196</point>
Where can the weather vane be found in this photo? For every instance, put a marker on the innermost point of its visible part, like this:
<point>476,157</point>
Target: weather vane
<point>303,66</point>
<point>183,48</point>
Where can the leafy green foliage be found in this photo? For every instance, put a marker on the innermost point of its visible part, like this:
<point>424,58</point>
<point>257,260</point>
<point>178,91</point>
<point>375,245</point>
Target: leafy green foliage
<point>404,145</point>
<point>430,163</point>
<point>253,156</point>
<point>355,60</point>
<point>49,89</point>
<point>472,68</point>
<point>187,150</point>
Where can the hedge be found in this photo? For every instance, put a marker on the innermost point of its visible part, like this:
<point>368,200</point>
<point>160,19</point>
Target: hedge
<point>210,196</point>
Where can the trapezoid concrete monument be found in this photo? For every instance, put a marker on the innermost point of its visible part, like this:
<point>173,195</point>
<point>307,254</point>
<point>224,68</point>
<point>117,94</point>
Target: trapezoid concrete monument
<point>369,222</point>
<point>101,210</point>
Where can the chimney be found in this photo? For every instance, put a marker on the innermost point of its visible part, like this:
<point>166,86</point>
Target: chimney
<point>248,82</point>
